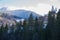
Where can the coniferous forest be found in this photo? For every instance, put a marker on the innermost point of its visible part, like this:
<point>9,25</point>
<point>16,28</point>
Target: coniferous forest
<point>32,29</point>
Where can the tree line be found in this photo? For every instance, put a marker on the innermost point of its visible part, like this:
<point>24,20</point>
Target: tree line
<point>32,29</point>
<point>29,30</point>
<point>53,27</point>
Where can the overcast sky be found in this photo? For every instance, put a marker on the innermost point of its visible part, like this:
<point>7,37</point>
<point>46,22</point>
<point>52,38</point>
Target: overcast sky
<point>39,6</point>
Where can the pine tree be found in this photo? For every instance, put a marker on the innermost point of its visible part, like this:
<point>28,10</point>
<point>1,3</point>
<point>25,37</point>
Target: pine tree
<point>1,32</point>
<point>36,24</point>
<point>36,30</point>
<point>25,25</point>
<point>6,32</point>
<point>50,26</point>
<point>30,19</point>
<point>31,22</point>
<point>57,32</point>
<point>6,28</point>
<point>30,27</point>
<point>41,31</point>
<point>17,31</point>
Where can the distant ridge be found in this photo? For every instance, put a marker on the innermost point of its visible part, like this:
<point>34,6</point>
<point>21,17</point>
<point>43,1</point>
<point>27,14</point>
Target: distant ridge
<point>24,13</point>
<point>21,13</point>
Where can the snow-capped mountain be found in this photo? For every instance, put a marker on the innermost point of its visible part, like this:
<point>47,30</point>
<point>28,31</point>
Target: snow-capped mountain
<point>24,13</point>
<point>19,13</point>
<point>9,16</point>
<point>3,9</point>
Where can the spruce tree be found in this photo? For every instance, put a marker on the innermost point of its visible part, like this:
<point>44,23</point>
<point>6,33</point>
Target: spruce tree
<point>50,25</point>
<point>57,32</point>
<point>25,29</point>
<point>18,31</point>
<point>41,31</point>
<point>31,22</point>
<point>30,19</point>
<point>36,26</point>
<point>30,27</point>
<point>6,28</point>
<point>1,32</point>
<point>36,30</point>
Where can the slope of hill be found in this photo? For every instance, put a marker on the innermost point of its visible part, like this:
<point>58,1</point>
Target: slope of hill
<point>24,13</point>
<point>8,19</point>
<point>11,16</point>
<point>19,13</point>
